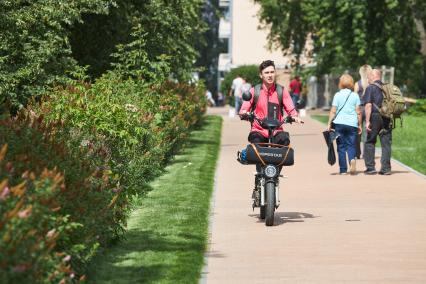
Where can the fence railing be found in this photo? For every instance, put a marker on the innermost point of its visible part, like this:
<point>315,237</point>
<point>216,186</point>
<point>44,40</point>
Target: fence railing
<point>321,90</point>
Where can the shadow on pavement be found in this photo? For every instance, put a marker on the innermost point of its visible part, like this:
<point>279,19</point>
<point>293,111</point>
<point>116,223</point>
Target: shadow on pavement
<point>287,217</point>
<point>291,217</point>
<point>362,173</point>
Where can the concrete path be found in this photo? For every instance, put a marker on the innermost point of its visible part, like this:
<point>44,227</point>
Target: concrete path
<point>329,228</point>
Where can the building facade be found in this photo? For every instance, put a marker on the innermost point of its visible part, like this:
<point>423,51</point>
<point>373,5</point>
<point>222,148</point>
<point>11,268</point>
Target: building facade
<point>248,43</point>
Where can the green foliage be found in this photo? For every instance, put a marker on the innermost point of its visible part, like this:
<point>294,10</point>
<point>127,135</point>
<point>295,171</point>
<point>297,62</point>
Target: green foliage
<point>73,164</point>
<point>54,202</point>
<point>81,150</point>
<point>210,46</point>
<point>169,28</point>
<point>418,109</point>
<point>249,72</point>
<point>42,41</point>
<point>34,46</point>
<point>349,34</point>
<point>132,60</point>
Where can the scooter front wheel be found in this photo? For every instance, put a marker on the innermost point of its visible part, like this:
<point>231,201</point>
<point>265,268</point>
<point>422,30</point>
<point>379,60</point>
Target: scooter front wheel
<point>270,203</point>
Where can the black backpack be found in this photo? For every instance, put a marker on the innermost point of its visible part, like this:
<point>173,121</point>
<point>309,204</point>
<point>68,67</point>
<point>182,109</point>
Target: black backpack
<point>279,90</point>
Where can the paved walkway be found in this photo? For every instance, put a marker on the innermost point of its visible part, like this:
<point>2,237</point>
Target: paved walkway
<point>329,228</point>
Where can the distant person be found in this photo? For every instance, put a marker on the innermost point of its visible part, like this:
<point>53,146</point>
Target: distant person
<point>245,87</point>
<point>345,113</point>
<point>360,88</point>
<point>376,125</point>
<point>220,99</point>
<point>295,89</point>
<point>237,92</point>
<point>209,97</point>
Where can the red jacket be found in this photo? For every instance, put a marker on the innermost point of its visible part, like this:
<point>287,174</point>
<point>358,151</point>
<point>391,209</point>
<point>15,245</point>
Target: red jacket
<point>261,110</point>
<point>295,86</point>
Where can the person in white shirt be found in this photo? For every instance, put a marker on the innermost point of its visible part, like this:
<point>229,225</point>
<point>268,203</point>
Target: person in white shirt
<point>237,83</point>
<point>209,98</point>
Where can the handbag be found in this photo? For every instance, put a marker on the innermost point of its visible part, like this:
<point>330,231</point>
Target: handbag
<point>329,136</point>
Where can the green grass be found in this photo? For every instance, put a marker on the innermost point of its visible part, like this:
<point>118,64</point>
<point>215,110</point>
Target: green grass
<point>167,233</point>
<point>320,118</point>
<point>409,141</point>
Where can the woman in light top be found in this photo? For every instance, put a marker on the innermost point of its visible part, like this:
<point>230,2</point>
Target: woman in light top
<point>345,113</point>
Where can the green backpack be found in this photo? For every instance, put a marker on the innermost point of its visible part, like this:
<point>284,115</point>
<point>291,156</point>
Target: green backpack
<point>393,105</point>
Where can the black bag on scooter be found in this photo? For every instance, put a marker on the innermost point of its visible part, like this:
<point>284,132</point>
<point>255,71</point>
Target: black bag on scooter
<point>268,153</point>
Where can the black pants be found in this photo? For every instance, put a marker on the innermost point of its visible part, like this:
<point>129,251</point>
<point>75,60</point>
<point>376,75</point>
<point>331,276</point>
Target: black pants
<point>281,138</point>
<point>381,127</point>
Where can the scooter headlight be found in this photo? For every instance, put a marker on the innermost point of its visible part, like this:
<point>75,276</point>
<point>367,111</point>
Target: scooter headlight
<point>270,171</point>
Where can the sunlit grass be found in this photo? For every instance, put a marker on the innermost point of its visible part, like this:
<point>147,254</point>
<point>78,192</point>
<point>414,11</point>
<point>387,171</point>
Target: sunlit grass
<point>167,233</point>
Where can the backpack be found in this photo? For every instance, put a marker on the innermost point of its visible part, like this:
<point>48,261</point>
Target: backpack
<point>393,105</point>
<point>279,90</point>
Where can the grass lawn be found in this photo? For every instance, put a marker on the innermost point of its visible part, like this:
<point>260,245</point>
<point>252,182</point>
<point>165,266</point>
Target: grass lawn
<point>321,118</point>
<point>167,233</point>
<point>409,142</point>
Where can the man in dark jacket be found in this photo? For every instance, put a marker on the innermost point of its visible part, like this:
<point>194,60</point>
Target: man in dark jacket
<point>376,125</point>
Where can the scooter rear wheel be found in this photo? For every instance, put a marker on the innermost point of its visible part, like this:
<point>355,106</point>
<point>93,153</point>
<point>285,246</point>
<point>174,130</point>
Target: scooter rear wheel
<point>262,212</point>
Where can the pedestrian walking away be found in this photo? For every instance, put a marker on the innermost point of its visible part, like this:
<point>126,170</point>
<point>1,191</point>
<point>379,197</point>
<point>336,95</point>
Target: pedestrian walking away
<point>345,119</point>
<point>360,88</point>
<point>295,90</point>
<point>376,126</point>
<point>236,91</point>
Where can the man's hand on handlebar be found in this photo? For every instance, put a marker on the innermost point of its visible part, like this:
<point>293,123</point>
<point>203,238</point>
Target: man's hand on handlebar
<point>246,116</point>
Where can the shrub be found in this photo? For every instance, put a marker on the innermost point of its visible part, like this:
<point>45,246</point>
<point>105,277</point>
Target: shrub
<point>248,72</point>
<point>73,163</point>
<point>136,125</point>
<point>56,207</point>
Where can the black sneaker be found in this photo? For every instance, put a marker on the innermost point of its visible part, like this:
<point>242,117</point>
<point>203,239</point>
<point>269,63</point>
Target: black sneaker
<point>387,173</point>
<point>370,172</point>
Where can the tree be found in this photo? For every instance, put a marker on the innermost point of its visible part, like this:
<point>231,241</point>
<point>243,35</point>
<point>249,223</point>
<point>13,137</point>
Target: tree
<point>170,28</point>
<point>210,46</point>
<point>34,46</point>
<point>350,33</point>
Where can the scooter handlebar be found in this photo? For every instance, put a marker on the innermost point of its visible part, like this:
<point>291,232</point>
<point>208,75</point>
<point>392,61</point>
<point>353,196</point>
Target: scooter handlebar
<point>250,116</point>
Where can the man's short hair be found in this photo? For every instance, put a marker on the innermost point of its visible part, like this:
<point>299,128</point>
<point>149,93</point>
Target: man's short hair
<point>266,64</point>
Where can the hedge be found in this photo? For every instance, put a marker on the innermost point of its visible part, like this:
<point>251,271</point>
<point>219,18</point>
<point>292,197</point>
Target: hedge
<point>70,165</point>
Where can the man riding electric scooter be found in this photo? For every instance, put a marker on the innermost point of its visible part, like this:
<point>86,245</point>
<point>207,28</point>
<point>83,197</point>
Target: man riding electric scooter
<point>264,107</point>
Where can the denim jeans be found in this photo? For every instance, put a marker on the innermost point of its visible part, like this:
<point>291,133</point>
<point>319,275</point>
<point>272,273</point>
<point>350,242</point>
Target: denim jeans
<point>295,99</point>
<point>238,104</point>
<point>346,144</point>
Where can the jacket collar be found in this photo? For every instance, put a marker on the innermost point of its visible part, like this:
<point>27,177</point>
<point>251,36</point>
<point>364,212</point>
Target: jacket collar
<point>271,90</point>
